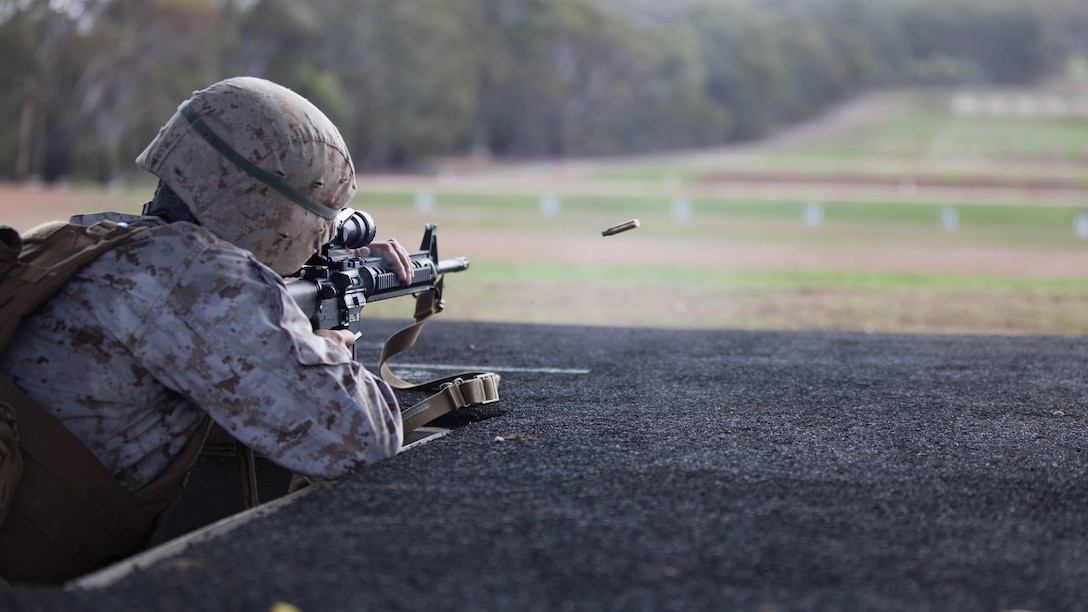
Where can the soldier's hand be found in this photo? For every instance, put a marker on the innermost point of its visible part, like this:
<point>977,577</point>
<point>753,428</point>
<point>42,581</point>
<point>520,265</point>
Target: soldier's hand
<point>342,337</point>
<point>393,253</point>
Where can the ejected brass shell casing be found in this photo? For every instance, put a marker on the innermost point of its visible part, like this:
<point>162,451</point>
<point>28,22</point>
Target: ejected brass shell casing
<point>622,227</point>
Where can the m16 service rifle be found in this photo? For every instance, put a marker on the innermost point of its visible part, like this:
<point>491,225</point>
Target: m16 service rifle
<point>334,285</point>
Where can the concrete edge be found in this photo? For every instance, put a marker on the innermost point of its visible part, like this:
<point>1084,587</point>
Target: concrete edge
<point>109,575</point>
<point>113,573</point>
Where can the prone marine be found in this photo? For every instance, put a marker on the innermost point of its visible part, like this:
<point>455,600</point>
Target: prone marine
<point>188,323</point>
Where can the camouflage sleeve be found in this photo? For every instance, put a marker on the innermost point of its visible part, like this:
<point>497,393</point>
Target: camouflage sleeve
<point>231,340</point>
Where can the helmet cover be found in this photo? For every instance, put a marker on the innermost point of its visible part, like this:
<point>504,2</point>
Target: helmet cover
<point>258,165</point>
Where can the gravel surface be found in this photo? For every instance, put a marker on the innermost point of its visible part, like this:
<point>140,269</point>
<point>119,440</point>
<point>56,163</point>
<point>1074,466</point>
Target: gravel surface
<point>643,469</point>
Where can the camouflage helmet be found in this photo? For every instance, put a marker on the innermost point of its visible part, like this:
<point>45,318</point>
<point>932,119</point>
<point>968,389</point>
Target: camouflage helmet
<point>258,165</point>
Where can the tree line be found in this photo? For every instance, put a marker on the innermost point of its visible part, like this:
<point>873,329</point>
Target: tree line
<point>86,83</point>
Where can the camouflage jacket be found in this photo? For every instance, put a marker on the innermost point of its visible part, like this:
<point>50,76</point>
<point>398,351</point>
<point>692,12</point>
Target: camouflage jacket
<point>176,323</point>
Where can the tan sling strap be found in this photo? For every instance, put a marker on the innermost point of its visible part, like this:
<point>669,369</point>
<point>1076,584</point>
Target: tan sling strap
<point>453,392</point>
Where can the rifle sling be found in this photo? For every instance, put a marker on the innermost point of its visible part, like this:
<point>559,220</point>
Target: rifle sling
<point>451,392</point>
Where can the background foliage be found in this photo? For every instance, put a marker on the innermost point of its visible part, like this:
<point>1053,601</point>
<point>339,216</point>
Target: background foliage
<point>86,83</point>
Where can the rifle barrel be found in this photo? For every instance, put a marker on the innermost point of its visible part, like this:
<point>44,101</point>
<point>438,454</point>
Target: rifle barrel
<point>456,264</point>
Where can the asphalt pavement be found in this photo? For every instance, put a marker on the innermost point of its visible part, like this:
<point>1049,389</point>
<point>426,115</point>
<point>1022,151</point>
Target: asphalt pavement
<point>643,469</point>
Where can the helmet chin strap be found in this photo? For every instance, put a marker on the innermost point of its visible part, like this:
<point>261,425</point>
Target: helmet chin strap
<point>168,206</point>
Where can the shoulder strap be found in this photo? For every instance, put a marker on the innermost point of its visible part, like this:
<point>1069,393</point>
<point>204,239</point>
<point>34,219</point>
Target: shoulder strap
<point>452,392</point>
<point>35,266</point>
<point>69,516</point>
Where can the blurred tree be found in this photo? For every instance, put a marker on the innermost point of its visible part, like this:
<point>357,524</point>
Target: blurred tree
<point>18,78</point>
<point>673,109</point>
<point>408,70</point>
<point>864,36</point>
<point>274,36</point>
<point>87,75</point>
<point>997,41</point>
<point>746,71</point>
<point>573,77</point>
<point>817,71</point>
<point>1014,42</point>
<point>42,46</point>
<point>145,57</point>
<point>85,83</point>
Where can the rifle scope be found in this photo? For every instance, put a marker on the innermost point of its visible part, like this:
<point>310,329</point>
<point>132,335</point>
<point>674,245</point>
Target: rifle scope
<point>354,229</point>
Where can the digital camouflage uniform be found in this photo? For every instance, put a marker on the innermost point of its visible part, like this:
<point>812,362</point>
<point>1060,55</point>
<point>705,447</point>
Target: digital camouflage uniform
<point>185,319</point>
<point>175,323</point>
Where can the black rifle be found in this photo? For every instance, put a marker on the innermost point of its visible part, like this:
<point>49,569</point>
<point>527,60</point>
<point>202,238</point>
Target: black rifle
<point>334,285</point>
